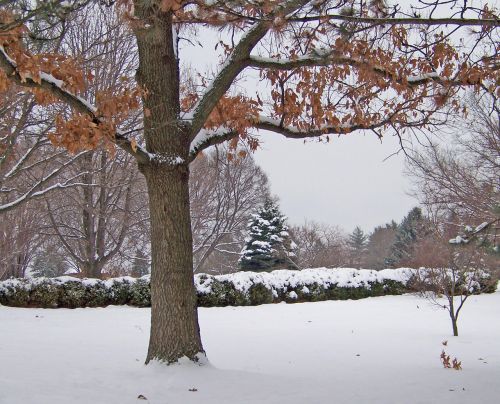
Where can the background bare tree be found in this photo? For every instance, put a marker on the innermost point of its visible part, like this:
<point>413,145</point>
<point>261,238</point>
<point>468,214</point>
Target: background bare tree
<point>94,221</point>
<point>460,180</point>
<point>30,170</point>
<point>224,190</point>
<point>20,237</point>
<point>319,245</point>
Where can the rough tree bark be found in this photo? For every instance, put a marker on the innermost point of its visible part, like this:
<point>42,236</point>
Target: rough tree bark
<point>174,318</point>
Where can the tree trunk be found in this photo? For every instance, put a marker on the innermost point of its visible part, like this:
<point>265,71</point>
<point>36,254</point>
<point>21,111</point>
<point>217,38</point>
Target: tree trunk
<point>174,317</point>
<point>453,316</point>
<point>175,332</point>
<point>455,326</point>
<point>92,269</point>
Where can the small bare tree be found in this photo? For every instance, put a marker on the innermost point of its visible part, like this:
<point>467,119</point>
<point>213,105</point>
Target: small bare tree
<point>451,273</point>
<point>459,186</point>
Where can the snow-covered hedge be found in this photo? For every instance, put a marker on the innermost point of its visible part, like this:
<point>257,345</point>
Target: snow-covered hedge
<point>238,289</point>
<point>308,285</point>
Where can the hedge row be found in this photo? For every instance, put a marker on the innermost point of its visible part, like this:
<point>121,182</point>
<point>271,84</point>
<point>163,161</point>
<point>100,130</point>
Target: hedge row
<point>239,289</point>
<point>72,293</point>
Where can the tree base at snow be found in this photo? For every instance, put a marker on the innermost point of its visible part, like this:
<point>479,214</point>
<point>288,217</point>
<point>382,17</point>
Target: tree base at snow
<point>238,289</point>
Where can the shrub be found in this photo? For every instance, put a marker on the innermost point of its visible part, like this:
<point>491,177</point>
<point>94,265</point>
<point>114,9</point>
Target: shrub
<point>222,294</point>
<point>120,291</point>
<point>259,294</point>
<point>97,294</point>
<point>15,293</point>
<point>140,294</point>
<point>44,294</point>
<point>72,294</point>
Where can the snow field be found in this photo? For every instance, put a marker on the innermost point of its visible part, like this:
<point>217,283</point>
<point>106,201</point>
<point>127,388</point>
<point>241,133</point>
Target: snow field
<point>374,350</point>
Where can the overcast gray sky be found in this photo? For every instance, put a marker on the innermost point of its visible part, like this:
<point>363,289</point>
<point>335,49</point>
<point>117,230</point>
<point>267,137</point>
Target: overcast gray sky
<point>345,182</point>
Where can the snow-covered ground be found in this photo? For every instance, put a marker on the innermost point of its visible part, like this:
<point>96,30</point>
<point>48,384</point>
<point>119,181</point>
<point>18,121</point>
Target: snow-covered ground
<point>376,350</point>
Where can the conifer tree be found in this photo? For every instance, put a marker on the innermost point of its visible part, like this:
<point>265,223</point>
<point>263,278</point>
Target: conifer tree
<point>268,245</point>
<point>357,243</point>
<point>410,230</point>
<point>379,245</point>
<point>49,264</point>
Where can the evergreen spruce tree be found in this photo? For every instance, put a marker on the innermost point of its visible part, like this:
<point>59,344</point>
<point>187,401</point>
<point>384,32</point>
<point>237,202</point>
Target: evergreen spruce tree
<point>49,264</point>
<point>268,245</point>
<point>357,243</point>
<point>379,245</point>
<point>411,229</point>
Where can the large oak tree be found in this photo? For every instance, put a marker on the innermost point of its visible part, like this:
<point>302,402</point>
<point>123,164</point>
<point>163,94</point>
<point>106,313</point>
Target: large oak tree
<point>326,67</point>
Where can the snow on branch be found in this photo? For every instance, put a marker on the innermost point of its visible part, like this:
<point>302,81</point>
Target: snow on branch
<point>35,191</point>
<point>491,21</point>
<point>209,137</point>
<point>325,57</point>
<point>234,65</point>
<point>275,125</point>
<point>17,167</point>
<point>472,233</point>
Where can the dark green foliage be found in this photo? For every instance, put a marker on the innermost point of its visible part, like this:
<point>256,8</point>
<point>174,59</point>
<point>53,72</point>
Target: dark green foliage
<point>357,240</point>
<point>49,264</point>
<point>15,293</point>
<point>412,228</point>
<point>44,294</point>
<point>259,294</point>
<point>120,291</point>
<point>72,294</point>
<point>140,295</point>
<point>394,288</point>
<point>357,244</point>
<point>212,292</point>
<point>268,245</point>
<point>97,294</point>
<point>316,292</point>
<point>222,294</point>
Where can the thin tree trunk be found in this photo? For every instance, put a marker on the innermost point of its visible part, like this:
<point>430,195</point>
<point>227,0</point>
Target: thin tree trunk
<point>453,317</point>
<point>174,318</point>
<point>455,326</point>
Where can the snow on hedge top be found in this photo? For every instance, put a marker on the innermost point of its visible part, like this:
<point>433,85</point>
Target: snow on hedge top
<point>276,280</point>
<point>283,279</point>
<point>28,283</point>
